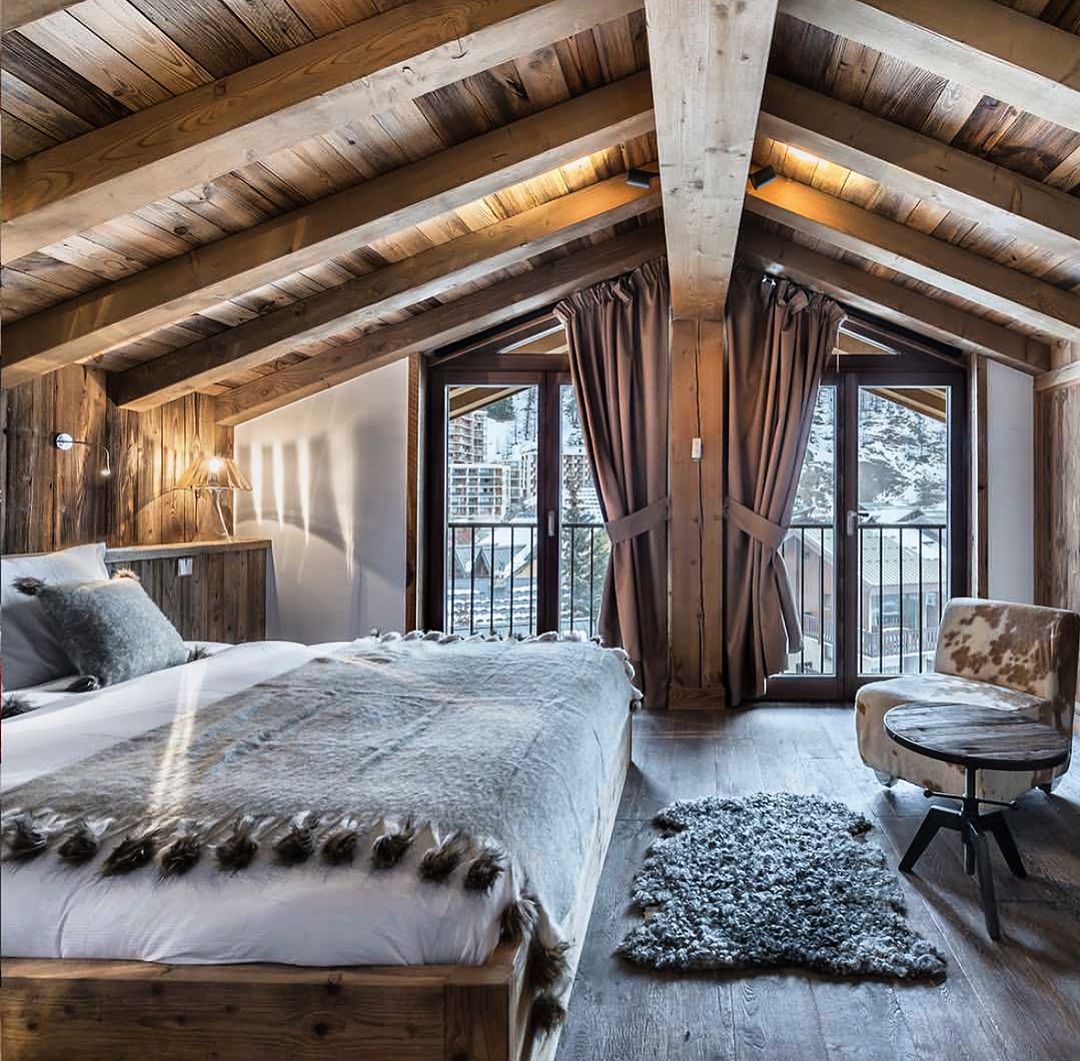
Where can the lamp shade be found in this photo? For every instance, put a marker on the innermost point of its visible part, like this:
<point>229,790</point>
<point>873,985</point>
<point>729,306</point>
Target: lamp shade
<point>213,473</point>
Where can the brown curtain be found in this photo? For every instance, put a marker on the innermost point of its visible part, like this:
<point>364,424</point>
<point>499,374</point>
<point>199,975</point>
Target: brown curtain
<point>778,338</point>
<point>618,338</point>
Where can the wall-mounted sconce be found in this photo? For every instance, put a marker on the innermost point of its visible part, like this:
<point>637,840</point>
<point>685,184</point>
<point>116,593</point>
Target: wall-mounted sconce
<point>216,474</point>
<point>63,442</point>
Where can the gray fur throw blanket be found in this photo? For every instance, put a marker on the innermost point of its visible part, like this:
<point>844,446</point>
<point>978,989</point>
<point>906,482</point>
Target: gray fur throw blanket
<point>500,746</point>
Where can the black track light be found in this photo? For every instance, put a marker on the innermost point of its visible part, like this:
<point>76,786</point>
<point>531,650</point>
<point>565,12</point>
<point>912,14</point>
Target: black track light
<point>762,176</point>
<point>640,178</point>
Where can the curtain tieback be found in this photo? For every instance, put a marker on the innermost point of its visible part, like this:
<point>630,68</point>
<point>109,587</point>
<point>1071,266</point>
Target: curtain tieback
<point>771,535</point>
<point>637,522</point>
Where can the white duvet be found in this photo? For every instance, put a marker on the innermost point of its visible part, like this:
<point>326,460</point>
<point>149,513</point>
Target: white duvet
<point>306,915</point>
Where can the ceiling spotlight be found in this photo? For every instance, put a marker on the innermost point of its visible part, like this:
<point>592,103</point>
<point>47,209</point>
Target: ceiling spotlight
<point>640,178</point>
<point>762,177</point>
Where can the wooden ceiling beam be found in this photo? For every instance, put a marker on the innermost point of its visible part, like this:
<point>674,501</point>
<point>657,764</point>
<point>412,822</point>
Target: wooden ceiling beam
<point>708,63</point>
<point>127,309</point>
<point>393,288</point>
<point>943,265</point>
<point>487,308</point>
<point>892,302</point>
<point>987,46</point>
<point>912,164</point>
<point>350,74</point>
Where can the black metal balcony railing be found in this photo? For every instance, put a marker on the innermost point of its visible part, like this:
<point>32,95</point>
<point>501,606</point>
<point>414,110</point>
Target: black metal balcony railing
<point>904,572</point>
<point>584,558</point>
<point>491,578</point>
<point>492,570</point>
<point>903,575</point>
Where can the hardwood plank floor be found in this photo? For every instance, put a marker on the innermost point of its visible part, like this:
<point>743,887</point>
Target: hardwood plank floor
<point>1017,1000</point>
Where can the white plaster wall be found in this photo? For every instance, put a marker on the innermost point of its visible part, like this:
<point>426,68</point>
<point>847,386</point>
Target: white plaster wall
<point>1010,441</point>
<point>329,490</point>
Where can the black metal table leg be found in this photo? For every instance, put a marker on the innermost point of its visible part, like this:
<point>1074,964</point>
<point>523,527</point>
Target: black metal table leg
<point>936,818</point>
<point>986,882</point>
<point>995,823</point>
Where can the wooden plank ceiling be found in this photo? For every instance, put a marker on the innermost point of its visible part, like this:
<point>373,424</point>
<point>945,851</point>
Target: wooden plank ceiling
<point>960,211</point>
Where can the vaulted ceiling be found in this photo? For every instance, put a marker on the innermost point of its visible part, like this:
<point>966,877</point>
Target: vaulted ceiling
<point>259,198</point>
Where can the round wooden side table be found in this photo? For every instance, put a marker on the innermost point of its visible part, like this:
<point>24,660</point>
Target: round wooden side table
<point>976,738</point>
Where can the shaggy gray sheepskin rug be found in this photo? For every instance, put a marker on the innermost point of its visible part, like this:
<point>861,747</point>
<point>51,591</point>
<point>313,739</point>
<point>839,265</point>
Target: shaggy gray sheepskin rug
<point>775,879</point>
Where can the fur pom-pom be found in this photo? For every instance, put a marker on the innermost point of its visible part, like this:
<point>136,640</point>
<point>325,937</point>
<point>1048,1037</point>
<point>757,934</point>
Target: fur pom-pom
<point>485,869</point>
<point>389,848</point>
<point>297,845</point>
<point>132,853</point>
<point>180,855</point>
<point>518,919</point>
<point>31,587</point>
<point>238,851</point>
<point>24,841</point>
<point>13,705</point>
<point>79,846</point>
<point>547,965</point>
<point>85,683</point>
<point>125,572</point>
<point>438,863</point>
<point>339,848</point>
<point>548,1013</point>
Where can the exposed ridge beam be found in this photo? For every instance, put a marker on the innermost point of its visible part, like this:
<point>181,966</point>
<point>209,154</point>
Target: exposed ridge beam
<point>943,265</point>
<point>893,302</point>
<point>395,287</point>
<point>343,77</point>
<point>132,307</point>
<point>913,164</point>
<point>984,45</point>
<point>708,61</point>
<point>491,306</point>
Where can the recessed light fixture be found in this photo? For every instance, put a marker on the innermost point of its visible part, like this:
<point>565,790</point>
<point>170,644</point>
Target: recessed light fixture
<point>761,177</point>
<point>63,441</point>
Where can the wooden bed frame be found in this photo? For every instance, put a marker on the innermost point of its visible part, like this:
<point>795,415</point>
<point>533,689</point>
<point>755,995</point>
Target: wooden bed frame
<point>73,1010</point>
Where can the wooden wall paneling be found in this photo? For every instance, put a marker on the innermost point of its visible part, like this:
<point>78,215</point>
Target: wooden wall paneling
<point>1057,498</point>
<point>695,530</point>
<point>224,597</point>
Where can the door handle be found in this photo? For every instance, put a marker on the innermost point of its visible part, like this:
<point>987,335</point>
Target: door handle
<point>551,523</point>
<point>853,518</point>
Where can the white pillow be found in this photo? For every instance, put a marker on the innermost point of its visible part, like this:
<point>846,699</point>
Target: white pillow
<point>31,654</point>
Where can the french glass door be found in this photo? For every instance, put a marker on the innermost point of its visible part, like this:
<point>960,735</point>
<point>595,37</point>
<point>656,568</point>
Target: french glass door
<point>877,543</point>
<point>516,541</point>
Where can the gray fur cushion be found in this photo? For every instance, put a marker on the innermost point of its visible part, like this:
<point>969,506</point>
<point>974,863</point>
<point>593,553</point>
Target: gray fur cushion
<point>110,630</point>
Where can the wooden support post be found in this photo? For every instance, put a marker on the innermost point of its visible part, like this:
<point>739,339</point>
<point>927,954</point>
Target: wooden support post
<point>697,513</point>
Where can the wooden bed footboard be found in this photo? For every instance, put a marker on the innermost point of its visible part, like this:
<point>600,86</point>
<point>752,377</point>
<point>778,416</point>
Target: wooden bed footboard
<point>75,1010</point>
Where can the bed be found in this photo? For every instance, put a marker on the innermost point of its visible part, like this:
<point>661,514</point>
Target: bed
<point>306,961</point>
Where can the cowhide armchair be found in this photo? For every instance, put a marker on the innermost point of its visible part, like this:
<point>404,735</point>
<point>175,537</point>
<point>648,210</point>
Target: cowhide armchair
<point>1015,657</point>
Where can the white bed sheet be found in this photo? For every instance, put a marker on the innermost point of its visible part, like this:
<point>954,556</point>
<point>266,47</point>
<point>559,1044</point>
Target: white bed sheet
<point>308,915</point>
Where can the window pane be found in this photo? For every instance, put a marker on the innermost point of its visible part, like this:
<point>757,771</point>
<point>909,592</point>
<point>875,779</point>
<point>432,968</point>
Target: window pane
<point>492,531</point>
<point>903,526</point>
<point>583,546</point>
